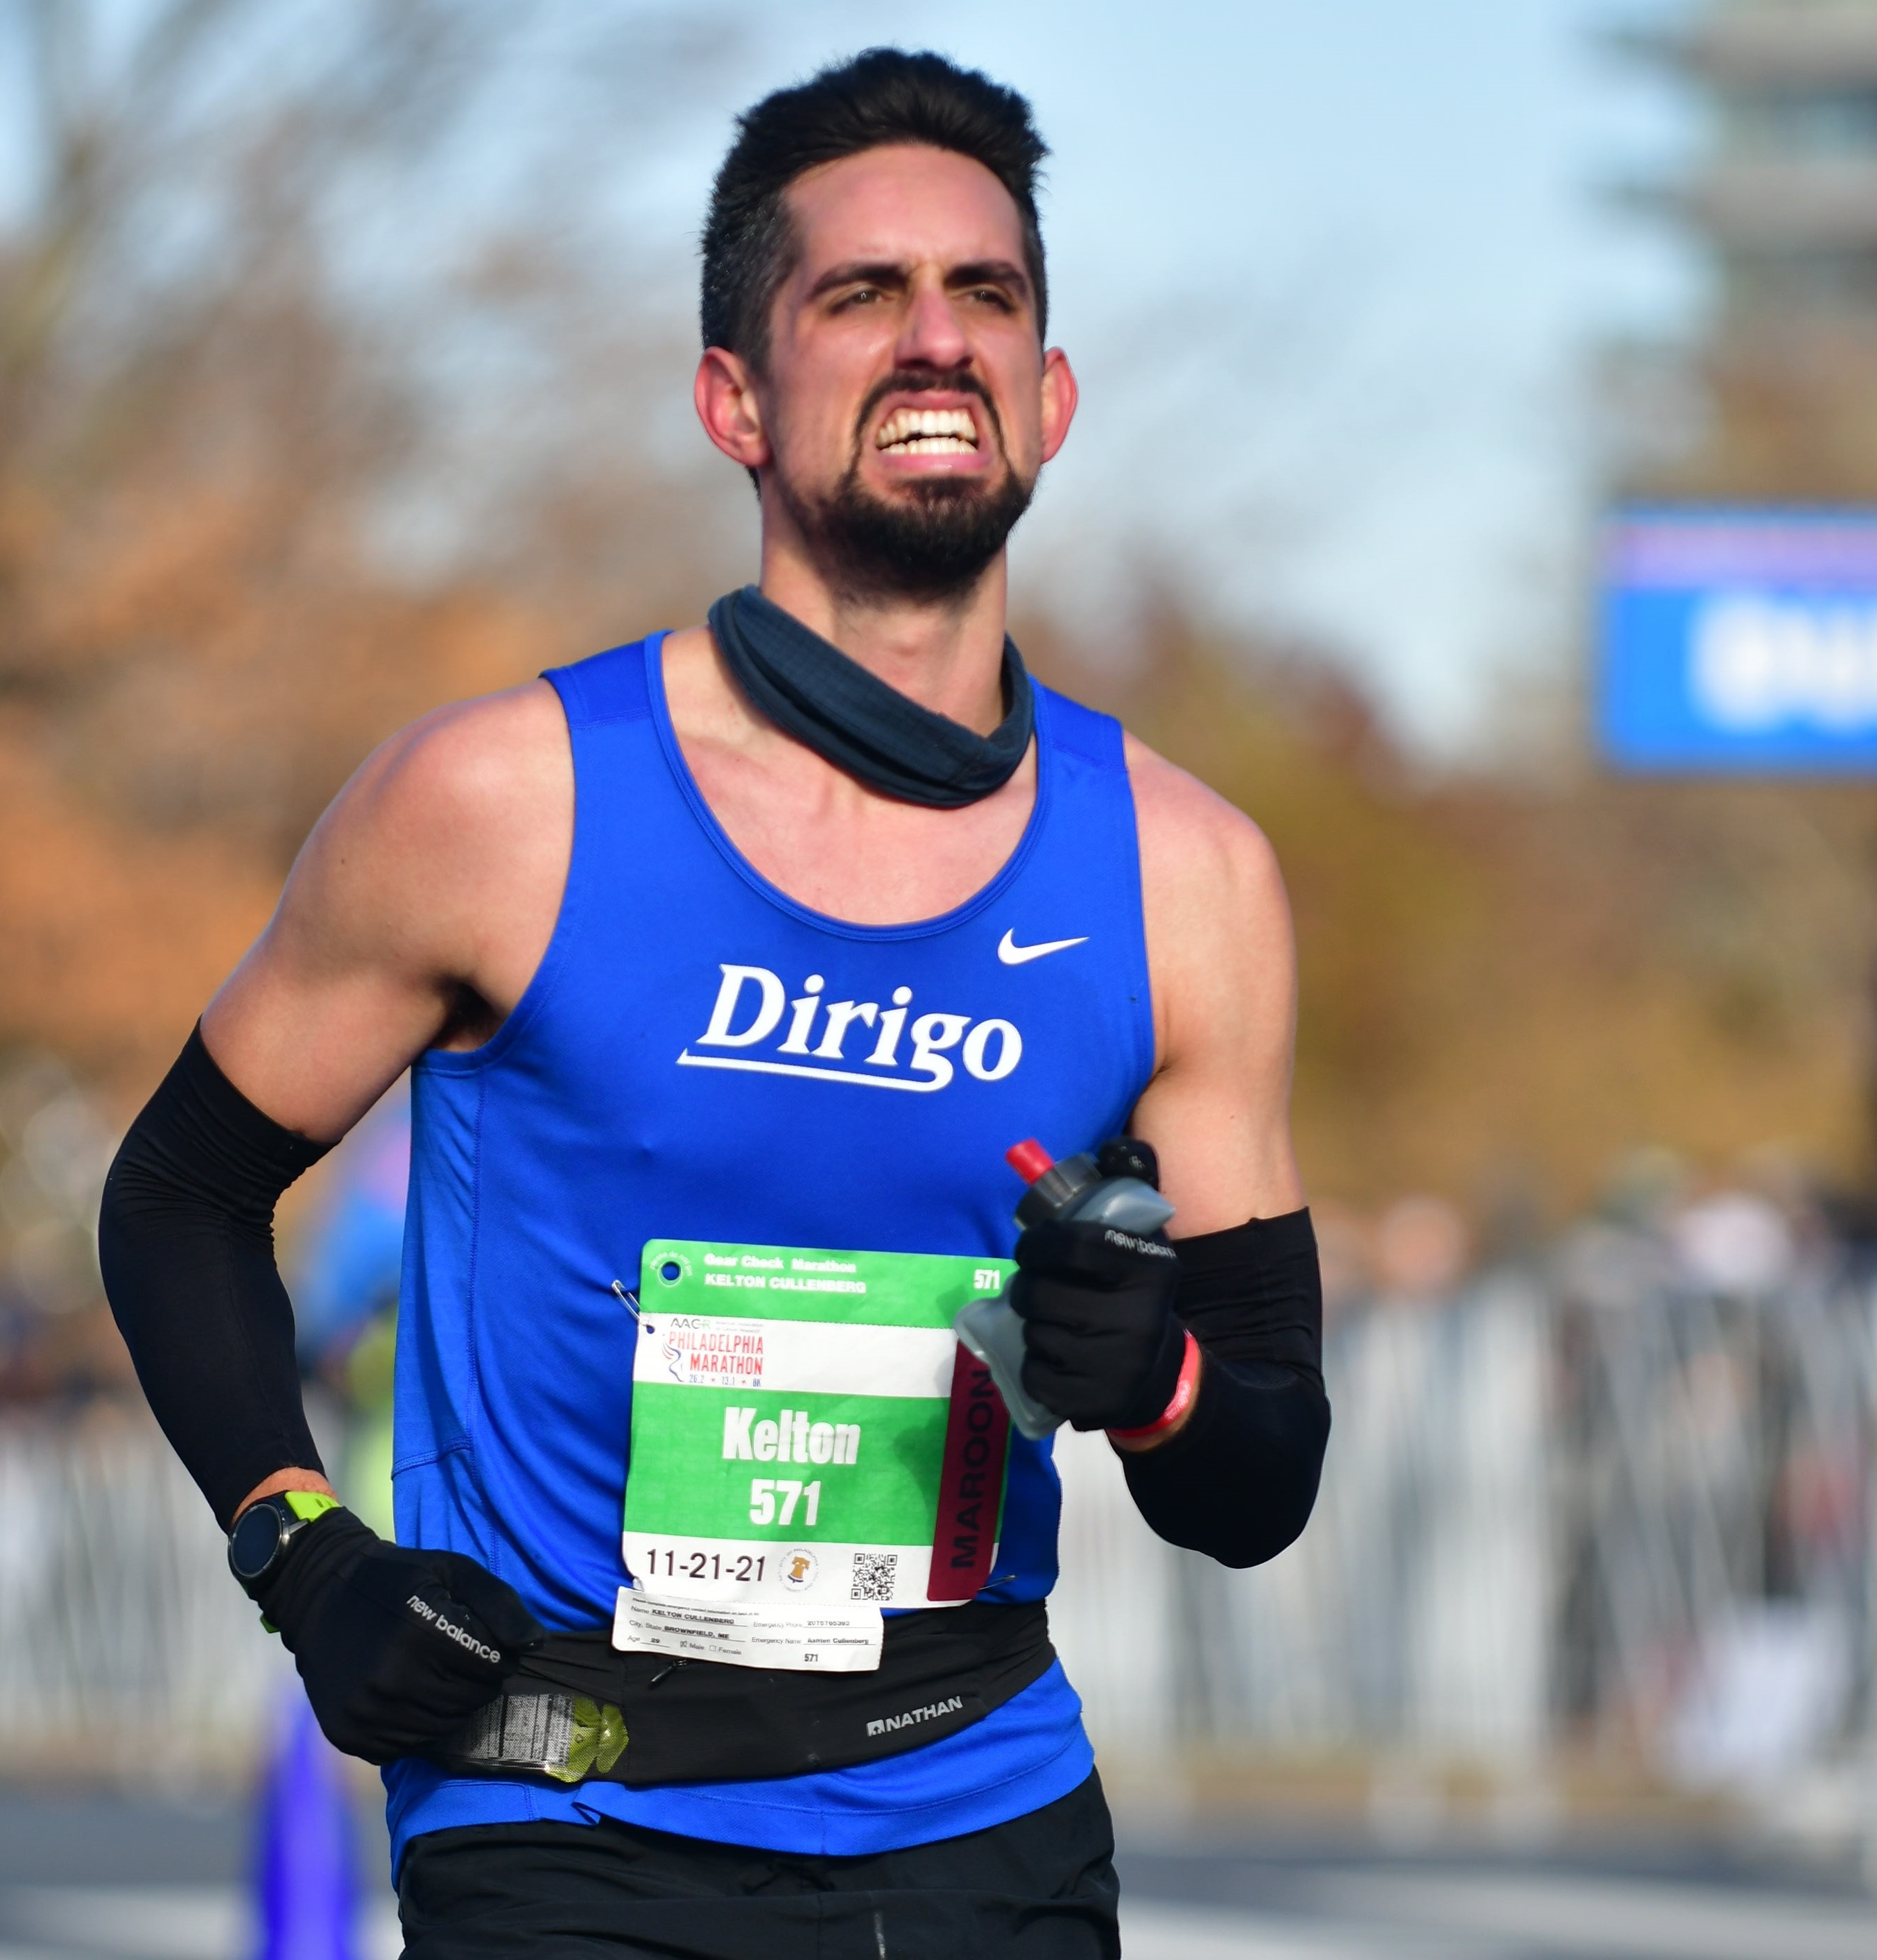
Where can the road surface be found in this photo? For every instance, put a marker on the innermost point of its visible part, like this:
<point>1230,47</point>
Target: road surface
<point>91,1878</point>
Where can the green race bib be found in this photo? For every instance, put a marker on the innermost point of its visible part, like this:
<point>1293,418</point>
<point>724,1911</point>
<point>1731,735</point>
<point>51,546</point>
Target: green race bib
<point>789,1421</point>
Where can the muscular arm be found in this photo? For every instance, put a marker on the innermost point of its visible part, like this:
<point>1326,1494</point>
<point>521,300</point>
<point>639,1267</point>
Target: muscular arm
<point>1238,1477</point>
<point>1224,970</point>
<point>415,915</point>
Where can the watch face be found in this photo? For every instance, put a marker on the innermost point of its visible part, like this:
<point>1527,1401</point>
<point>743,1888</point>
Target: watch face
<point>255,1538</point>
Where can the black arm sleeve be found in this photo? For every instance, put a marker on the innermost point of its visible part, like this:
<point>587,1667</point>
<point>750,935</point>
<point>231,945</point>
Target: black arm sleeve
<point>185,1241</point>
<point>1239,1480</point>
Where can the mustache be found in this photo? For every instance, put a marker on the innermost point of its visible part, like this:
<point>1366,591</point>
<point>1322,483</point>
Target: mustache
<point>922,380</point>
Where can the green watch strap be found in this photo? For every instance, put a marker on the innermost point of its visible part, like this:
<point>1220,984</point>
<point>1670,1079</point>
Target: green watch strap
<point>307,1505</point>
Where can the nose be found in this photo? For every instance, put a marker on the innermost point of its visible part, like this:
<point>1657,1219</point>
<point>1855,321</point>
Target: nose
<point>931,334</point>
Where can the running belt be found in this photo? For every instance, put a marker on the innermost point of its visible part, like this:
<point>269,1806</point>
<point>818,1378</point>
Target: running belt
<point>580,1709</point>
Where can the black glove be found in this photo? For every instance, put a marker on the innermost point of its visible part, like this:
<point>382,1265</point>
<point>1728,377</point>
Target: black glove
<point>1103,1344</point>
<point>397,1648</point>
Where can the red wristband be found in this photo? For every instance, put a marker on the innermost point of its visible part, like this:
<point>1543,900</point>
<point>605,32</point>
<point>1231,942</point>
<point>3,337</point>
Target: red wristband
<point>1184,1390</point>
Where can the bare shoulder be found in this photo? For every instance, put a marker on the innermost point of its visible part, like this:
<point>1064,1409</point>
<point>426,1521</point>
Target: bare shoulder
<point>1203,860</point>
<point>461,772</point>
<point>451,812</point>
<point>417,911</point>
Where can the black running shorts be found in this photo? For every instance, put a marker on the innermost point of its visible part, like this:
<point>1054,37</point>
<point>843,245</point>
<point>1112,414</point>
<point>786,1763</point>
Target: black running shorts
<point>1040,1888</point>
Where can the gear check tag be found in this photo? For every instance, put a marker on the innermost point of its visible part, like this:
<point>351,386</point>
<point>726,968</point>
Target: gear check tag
<point>790,1409</point>
<point>836,1642</point>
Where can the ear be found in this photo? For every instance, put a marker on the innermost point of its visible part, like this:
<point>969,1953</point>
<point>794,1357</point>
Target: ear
<point>1059,397</point>
<point>724,391</point>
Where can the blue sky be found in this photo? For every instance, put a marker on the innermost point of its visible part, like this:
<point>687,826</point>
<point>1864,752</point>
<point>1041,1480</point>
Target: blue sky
<point>1331,274</point>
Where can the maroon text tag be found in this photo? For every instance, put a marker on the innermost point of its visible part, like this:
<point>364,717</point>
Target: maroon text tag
<point>977,1432</point>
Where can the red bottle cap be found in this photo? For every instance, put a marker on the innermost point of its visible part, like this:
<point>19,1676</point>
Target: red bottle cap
<point>1029,1159</point>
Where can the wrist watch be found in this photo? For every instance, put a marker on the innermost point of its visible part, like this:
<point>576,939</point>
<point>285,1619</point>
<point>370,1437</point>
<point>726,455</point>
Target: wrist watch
<point>264,1531</point>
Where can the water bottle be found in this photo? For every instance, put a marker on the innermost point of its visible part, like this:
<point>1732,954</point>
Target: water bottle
<point>1115,1186</point>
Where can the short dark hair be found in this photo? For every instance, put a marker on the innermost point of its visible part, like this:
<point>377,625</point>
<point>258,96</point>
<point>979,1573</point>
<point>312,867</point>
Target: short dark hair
<point>883,96</point>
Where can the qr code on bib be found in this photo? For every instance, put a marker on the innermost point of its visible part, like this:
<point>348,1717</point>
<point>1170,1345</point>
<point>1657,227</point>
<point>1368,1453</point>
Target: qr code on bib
<point>874,1573</point>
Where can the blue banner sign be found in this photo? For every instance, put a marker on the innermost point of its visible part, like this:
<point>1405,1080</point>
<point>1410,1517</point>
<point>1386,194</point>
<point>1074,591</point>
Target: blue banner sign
<point>1741,641</point>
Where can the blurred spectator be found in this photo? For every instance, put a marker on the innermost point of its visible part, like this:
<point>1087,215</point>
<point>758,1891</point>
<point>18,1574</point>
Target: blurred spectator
<point>1642,1186</point>
<point>351,1250</point>
<point>1343,1249</point>
<point>1421,1248</point>
<point>345,1295</point>
<point>56,1336</point>
<point>1736,1242</point>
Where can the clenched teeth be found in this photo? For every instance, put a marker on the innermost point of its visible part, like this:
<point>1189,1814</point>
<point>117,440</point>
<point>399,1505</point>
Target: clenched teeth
<point>928,432</point>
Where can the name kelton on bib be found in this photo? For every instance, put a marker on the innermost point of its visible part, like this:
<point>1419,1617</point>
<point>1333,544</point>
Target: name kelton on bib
<point>807,1439</point>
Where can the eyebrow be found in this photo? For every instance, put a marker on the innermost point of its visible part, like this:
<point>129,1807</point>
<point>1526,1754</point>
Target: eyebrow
<point>990,272</point>
<point>890,272</point>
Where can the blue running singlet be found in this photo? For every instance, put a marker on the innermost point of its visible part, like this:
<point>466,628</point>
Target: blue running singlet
<point>602,1115</point>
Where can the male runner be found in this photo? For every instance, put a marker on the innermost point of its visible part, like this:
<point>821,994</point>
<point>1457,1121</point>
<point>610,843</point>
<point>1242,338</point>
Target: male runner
<point>735,959</point>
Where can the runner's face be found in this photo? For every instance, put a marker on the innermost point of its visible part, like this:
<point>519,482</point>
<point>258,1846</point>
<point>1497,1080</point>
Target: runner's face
<point>910,300</point>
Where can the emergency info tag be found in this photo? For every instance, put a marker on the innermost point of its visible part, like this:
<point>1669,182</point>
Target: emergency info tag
<point>845,1641</point>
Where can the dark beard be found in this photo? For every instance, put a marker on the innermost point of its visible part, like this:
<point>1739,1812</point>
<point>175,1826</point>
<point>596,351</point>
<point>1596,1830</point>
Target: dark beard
<point>933,541</point>
<point>935,545</point>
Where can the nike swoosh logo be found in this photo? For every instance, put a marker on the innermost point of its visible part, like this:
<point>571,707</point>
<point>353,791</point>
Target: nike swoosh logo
<point>1012,954</point>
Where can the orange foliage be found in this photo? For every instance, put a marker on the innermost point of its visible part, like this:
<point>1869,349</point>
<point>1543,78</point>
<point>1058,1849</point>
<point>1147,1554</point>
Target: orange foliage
<point>114,938</point>
<point>1504,986</point>
<point>202,633</point>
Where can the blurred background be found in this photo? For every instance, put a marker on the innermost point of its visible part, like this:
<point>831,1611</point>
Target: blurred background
<point>345,363</point>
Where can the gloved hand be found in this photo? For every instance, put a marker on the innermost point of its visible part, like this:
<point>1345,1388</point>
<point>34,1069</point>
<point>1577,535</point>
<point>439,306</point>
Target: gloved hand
<point>397,1648</point>
<point>1103,1344</point>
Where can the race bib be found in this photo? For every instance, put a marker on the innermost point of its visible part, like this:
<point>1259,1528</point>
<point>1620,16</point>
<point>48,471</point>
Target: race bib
<point>807,1434</point>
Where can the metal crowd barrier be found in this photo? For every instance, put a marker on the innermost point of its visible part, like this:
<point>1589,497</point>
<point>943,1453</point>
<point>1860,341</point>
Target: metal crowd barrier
<point>1588,1505</point>
<point>126,1652</point>
<point>1592,1509</point>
